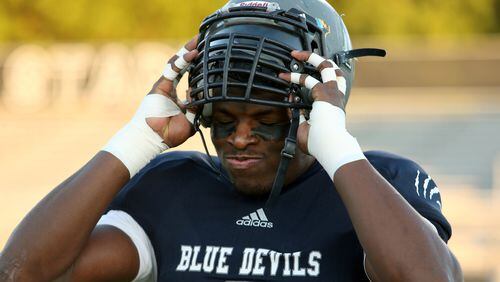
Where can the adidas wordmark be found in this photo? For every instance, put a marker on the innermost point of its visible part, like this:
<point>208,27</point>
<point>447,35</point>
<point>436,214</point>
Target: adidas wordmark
<point>255,219</point>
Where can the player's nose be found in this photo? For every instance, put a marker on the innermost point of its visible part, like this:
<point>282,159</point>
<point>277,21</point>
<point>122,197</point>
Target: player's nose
<point>242,136</point>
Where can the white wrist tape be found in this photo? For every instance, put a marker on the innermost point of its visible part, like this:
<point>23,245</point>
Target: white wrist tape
<point>328,141</point>
<point>136,144</point>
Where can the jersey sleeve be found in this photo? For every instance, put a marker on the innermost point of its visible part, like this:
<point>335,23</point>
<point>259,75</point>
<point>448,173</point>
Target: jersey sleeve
<point>124,222</point>
<point>140,204</point>
<point>415,185</point>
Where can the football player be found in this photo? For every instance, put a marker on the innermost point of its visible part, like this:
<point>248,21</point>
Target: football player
<point>290,197</point>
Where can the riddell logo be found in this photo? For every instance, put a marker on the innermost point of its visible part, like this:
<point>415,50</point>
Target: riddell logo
<point>269,6</point>
<point>255,4</point>
<point>255,219</point>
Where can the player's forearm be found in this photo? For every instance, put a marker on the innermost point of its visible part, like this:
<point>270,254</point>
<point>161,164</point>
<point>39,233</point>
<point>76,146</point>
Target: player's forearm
<point>399,243</point>
<point>51,236</point>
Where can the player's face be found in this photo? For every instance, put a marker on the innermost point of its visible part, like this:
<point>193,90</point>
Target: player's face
<point>249,139</point>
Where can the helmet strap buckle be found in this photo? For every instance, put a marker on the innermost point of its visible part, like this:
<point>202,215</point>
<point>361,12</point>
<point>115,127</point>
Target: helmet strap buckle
<point>289,148</point>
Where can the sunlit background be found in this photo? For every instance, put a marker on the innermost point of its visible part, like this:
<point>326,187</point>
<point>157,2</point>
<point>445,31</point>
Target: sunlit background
<point>72,73</point>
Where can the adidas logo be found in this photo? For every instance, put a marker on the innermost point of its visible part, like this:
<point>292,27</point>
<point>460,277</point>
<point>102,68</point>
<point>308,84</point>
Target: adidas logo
<point>256,219</point>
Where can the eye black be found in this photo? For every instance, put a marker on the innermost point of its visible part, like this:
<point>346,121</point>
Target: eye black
<point>268,123</point>
<point>224,122</point>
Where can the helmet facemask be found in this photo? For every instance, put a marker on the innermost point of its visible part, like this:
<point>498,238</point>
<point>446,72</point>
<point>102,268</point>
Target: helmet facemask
<point>245,48</point>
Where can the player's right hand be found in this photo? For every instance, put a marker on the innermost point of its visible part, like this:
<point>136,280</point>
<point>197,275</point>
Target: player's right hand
<point>176,129</point>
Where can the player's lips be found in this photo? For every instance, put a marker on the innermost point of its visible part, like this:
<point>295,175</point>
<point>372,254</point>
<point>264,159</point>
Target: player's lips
<point>243,162</point>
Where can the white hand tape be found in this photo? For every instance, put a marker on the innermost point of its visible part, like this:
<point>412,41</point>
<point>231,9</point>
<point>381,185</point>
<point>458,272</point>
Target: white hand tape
<point>183,51</point>
<point>169,73</point>
<point>315,60</point>
<point>328,74</point>
<point>342,84</point>
<point>295,77</point>
<point>180,63</point>
<point>311,82</point>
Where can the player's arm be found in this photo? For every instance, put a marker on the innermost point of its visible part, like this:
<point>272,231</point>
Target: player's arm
<point>51,236</point>
<point>57,237</point>
<point>400,245</point>
<point>108,255</point>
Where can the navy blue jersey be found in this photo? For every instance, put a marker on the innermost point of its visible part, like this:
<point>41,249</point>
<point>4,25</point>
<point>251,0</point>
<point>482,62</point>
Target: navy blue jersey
<point>201,229</point>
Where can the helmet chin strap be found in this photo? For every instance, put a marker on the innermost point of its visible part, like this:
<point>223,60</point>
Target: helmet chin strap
<point>287,154</point>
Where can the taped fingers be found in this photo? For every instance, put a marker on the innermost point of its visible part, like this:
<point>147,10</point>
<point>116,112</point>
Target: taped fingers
<point>295,77</point>
<point>339,81</point>
<point>328,75</point>
<point>342,84</point>
<point>318,61</point>
<point>303,79</point>
<point>175,66</point>
<point>180,61</point>
<point>169,73</point>
<point>328,69</point>
<point>183,51</point>
<point>332,72</point>
<point>315,60</point>
<point>311,82</point>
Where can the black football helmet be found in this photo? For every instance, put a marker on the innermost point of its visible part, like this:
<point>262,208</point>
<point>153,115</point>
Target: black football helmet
<point>246,44</point>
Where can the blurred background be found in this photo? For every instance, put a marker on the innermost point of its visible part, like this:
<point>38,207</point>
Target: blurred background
<point>72,73</point>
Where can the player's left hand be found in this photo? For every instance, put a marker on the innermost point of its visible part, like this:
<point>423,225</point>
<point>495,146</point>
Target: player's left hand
<point>333,86</point>
<point>331,90</point>
<point>324,135</point>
